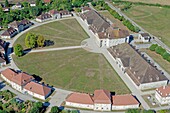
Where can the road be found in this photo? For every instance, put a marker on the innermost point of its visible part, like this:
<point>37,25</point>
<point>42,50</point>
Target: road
<point>126,17</point>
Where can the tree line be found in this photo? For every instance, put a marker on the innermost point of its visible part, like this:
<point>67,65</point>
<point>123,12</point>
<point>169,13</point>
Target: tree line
<point>31,12</point>
<point>161,51</point>
<point>126,22</point>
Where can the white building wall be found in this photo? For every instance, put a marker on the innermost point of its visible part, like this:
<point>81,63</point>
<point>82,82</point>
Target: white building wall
<point>77,105</point>
<point>142,39</point>
<point>162,100</point>
<point>153,85</point>
<point>114,42</point>
<point>124,107</point>
<point>102,107</point>
<point>64,16</point>
<point>34,94</point>
<point>16,86</point>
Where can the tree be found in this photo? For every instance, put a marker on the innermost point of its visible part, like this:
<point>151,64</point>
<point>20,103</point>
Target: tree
<point>18,50</point>
<point>160,50</point>
<point>37,2</point>
<point>31,40</point>
<point>133,111</point>
<point>54,109</point>
<point>6,3</point>
<point>40,41</point>
<point>153,47</point>
<point>166,56</point>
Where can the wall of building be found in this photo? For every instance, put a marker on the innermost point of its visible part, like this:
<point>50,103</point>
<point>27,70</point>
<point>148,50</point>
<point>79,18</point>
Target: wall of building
<point>153,85</point>
<point>77,105</point>
<point>124,107</point>
<point>34,94</point>
<point>162,100</point>
<point>102,107</point>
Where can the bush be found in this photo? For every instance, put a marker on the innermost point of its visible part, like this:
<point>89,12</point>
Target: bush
<point>160,50</point>
<point>18,50</point>
<point>153,47</point>
<point>166,56</point>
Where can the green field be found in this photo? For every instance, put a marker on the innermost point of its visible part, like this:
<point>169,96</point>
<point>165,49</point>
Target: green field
<point>153,19</point>
<point>64,33</point>
<point>76,70</point>
<point>115,22</point>
<point>158,58</point>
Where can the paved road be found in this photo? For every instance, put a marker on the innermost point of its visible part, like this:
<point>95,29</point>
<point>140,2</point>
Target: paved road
<point>126,17</point>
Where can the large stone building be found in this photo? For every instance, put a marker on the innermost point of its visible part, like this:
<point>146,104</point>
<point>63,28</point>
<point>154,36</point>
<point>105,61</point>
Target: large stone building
<point>163,95</point>
<point>102,100</point>
<point>106,35</point>
<point>25,84</point>
<point>144,75</point>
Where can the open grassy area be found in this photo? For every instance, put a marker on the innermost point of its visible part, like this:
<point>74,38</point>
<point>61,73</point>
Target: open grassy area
<point>163,2</point>
<point>154,19</point>
<point>158,58</point>
<point>115,22</point>
<point>64,33</point>
<point>76,70</point>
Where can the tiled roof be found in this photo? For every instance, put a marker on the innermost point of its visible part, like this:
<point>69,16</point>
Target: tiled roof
<point>38,88</point>
<point>9,32</point>
<point>44,16</point>
<point>22,78</point>
<point>123,100</point>
<point>80,98</point>
<point>164,91</point>
<point>8,73</point>
<point>102,96</point>
<point>139,70</point>
<point>47,1</point>
<point>53,12</point>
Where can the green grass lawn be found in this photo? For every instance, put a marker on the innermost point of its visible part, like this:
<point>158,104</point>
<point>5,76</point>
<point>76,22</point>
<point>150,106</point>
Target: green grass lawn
<point>158,58</point>
<point>154,19</point>
<point>76,70</point>
<point>63,33</point>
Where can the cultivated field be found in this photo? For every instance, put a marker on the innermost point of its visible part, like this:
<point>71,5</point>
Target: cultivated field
<point>153,19</point>
<point>76,70</point>
<point>116,22</point>
<point>63,33</point>
<point>163,2</point>
<point>158,58</point>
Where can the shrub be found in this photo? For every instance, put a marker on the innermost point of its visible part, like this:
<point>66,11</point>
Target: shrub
<point>153,47</point>
<point>166,56</point>
<point>160,50</point>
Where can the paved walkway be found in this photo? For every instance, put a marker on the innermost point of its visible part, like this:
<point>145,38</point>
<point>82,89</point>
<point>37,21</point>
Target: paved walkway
<point>54,49</point>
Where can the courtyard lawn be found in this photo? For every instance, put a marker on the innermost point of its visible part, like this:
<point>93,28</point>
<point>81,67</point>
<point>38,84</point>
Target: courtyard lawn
<point>76,70</point>
<point>154,19</point>
<point>115,22</point>
<point>64,33</point>
<point>158,58</point>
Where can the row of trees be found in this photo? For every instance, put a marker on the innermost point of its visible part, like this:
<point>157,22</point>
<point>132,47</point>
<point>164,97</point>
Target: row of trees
<point>141,3</point>
<point>161,51</point>
<point>31,12</point>
<point>126,22</point>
